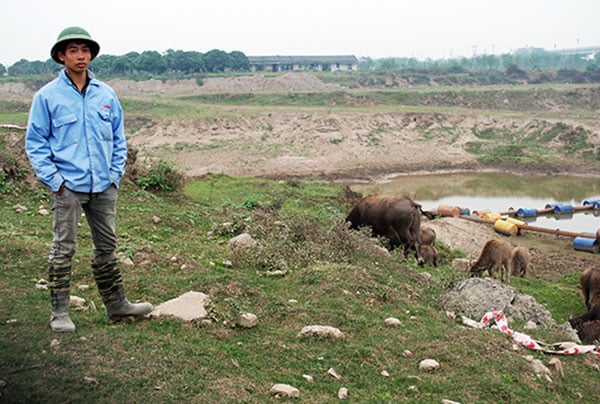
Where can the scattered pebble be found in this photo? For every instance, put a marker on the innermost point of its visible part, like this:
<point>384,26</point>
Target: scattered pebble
<point>530,325</point>
<point>247,320</point>
<point>90,380</point>
<point>308,378</point>
<point>343,393</point>
<point>333,373</point>
<point>321,330</point>
<point>392,322</point>
<point>429,364</point>
<point>20,208</point>
<point>285,390</point>
<point>77,301</point>
<point>385,373</point>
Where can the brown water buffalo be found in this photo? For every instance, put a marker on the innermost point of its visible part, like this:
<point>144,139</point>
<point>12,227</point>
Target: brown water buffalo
<point>394,217</point>
<point>588,324</point>
<point>495,257</point>
<point>427,236</point>
<point>590,286</point>
<point>520,261</point>
<point>428,254</point>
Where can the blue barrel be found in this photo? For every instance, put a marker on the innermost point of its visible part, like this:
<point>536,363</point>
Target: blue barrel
<point>586,244</point>
<point>563,208</point>
<point>594,202</point>
<point>522,212</point>
<point>560,207</point>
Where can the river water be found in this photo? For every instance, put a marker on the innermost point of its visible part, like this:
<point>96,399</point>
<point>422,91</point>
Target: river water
<point>499,192</point>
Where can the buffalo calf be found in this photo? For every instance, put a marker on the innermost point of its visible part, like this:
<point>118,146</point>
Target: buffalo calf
<point>427,236</point>
<point>429,254</point>
<point>495,257</point>
<point>519,261</point>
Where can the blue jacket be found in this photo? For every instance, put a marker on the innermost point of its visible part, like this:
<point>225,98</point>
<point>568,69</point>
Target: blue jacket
<point>76,138</point>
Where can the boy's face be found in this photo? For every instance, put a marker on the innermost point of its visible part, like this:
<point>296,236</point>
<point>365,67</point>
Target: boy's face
<point>76,57</point>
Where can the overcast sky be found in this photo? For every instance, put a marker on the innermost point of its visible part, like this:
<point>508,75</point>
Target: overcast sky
<point>373,28</point>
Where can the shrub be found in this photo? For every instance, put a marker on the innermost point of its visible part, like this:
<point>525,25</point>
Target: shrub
<point>161,176</point>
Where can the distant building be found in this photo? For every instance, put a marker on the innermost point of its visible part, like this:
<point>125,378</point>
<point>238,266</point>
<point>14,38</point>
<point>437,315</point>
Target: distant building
<point>300,63</point>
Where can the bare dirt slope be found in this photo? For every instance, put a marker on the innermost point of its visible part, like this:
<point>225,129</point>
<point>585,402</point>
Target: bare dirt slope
<point>330,142</point>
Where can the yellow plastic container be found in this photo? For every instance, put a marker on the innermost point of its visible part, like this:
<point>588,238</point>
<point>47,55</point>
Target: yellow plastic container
<point>492,216</point>
<point>516,221</point>
<point>505,227</point>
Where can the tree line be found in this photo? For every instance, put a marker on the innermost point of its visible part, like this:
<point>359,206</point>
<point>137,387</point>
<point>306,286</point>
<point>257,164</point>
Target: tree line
<point>179,63</point>
<point>147,63</point>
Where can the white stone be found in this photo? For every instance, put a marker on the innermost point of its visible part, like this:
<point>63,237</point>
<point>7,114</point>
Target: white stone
<point>308,378</point>
<point>189,306</point>
<point>429,364</point>
<point>332,372</point>
<point>321,330</point>
<point>392,322</point>
<point>285,390</point>
<point>343,393</point>
<point>77,301</point>
<point>247,320</point>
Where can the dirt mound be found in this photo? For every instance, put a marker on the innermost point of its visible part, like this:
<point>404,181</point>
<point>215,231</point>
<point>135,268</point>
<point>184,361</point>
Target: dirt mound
<point>296,82</point>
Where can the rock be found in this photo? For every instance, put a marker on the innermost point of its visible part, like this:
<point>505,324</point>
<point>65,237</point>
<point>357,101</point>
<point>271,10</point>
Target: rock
<point>385,373</point>
<point>20,208</point>
<point>77,301</point>
<point>461,264</point>
<point>308,378</point>
<point>557,364</point>
<point>243,240</point>
<point>541,370</point>
<point>189,306</point>
<point>343,393</point>
<point>332,372</point>
<point>392,322</point>
<point>285,390</point>
<point>247,320</point>
<point>475,297</point>
<point>276,273</point>
<point>569,332</point>
<point>429,365</point>
<point>322,331</point>
<point>406,353</point>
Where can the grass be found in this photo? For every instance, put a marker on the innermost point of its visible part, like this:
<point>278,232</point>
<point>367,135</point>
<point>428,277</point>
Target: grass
<point>331,280</point>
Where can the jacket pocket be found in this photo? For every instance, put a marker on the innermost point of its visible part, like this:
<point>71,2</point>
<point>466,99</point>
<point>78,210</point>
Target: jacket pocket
<point>105,124</point>
<point>63,133</point>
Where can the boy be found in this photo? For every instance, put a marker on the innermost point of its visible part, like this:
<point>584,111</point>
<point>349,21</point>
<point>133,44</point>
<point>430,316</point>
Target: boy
<point>76,145</point>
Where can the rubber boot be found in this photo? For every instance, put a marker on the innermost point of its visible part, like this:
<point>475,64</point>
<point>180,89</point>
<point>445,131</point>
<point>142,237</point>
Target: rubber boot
<point>60,297</point>
<point>110,286</point>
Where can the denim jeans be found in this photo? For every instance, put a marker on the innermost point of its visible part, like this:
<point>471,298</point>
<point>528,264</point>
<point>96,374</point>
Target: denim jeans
<point>100,211</point>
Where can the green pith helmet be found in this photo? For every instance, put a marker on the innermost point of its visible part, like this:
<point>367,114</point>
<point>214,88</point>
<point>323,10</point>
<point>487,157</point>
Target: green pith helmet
<point>73,34</point>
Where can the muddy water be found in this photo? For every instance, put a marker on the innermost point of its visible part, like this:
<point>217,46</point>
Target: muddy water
<point>499,192</point>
